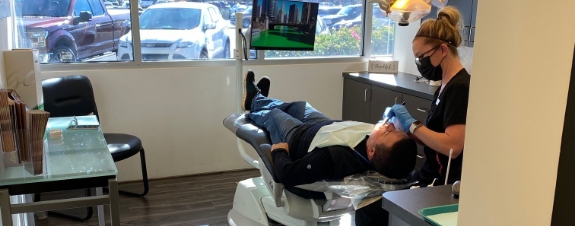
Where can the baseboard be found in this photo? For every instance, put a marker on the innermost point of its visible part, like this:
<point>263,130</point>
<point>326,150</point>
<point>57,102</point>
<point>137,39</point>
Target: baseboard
<point>189,175</point>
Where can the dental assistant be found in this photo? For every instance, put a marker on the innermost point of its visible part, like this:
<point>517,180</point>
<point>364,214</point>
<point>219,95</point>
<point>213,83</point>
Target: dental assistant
<point>435,50</point>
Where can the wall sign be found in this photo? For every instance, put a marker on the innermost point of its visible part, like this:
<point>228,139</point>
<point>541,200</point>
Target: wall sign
<point>380,66</point>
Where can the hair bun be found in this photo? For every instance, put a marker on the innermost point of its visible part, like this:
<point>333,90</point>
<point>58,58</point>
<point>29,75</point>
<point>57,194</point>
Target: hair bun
<point>451,14</point>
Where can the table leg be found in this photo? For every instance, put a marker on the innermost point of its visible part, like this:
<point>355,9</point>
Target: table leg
<point>5,207</point>
<point>114,201</point>
<point>101,215</point>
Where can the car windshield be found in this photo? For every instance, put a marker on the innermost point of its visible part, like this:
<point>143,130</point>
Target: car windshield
<point>345,10</point>
<point>45,8</point>
<point>325,11</point>
<point>170,18</point>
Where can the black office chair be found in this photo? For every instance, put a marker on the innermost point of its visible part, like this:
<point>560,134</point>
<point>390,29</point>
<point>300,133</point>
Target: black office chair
<point>73,96</point>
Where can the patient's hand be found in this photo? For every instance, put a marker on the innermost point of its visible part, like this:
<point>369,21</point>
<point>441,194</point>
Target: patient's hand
<point>280,145</point>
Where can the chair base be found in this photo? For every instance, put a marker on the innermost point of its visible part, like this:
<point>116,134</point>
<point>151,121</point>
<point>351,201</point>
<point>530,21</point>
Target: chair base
<point>253,205</point>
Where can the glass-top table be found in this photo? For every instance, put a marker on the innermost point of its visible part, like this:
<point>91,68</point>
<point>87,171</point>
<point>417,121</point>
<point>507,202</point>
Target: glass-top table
<point>79,159</point>
<point>78,154</point>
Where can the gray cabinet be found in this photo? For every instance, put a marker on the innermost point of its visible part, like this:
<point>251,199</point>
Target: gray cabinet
<point>366,102</point>
<point>356,101</point>
<point>472,25</point>
<point>468,9</point>
<point>418,108</point>
<point>380,99</point>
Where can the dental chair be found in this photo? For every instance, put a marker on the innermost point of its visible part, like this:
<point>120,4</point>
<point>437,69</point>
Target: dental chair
<point>262,198</point>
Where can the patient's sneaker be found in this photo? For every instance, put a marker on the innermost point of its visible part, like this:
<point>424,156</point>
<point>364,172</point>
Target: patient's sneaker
<point>250,91</point>
<point>264,85</point>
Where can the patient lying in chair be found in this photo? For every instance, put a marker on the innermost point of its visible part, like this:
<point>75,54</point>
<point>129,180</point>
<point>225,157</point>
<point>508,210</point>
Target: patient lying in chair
<point>310,147</point>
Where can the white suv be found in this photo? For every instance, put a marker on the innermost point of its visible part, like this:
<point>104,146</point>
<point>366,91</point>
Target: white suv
<point>179,31</point>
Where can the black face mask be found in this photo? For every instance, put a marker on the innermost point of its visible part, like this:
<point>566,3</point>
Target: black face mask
<point>427,70</point>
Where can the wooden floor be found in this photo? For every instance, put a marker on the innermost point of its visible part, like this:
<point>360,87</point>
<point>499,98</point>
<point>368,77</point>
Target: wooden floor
<point>194,200</point>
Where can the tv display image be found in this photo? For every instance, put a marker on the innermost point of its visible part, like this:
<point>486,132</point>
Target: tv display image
<point>283,25</point>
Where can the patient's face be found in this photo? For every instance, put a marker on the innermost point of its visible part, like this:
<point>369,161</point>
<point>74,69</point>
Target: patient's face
<point>386,134</point>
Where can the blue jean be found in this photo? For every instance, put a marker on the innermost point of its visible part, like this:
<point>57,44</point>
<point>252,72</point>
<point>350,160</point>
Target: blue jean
<point>280,119</point>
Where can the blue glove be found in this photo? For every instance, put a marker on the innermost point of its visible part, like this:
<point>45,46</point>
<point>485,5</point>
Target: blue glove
<point>400,112</point>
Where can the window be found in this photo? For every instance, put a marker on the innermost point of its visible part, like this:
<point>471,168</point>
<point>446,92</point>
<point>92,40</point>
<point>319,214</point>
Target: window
<point>338,31</point>
<point>97,7</point>
<point>64,31</point>
<point>178,30</point>
<point>82,6</point>
<point>382,33</point>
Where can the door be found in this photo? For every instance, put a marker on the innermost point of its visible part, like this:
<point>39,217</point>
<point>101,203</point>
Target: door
<point>104,39</point>
<point>84,32</point>
<point>356,101</point>
<point>380,99</point>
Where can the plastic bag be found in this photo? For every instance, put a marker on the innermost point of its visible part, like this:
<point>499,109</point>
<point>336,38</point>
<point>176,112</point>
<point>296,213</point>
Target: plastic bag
<point>370,184</point>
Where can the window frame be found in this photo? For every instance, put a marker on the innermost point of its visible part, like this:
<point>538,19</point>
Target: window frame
<point>138,63</point>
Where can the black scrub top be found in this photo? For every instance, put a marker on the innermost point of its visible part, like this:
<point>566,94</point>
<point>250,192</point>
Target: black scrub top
<point>448,108</point>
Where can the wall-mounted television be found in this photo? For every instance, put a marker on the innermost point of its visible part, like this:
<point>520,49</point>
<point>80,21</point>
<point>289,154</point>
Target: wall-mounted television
<point>283,25</point>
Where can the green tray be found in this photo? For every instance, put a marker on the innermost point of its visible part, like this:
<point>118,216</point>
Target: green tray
<point>428,213</point>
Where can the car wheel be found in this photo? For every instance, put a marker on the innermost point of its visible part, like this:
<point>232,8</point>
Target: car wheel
<point>226,50</point>
<point>204,55</point>
<point>59,51</point>
<point>246,23</point>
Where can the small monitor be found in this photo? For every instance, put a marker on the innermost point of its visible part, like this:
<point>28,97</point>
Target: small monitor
<point>283,25</point>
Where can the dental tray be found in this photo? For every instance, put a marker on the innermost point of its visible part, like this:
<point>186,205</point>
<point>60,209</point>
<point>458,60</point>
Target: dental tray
<point>441,215</point>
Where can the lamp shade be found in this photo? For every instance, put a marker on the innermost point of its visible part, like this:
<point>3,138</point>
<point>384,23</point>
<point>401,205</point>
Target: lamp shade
<point>404,11</point>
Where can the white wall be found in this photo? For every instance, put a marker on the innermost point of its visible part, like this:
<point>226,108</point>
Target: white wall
<point>402,47</point>
<point>522,65</point>
<point>178,112</point>
<point>4,44</point>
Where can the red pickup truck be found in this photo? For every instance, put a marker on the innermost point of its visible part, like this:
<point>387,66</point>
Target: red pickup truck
<point>70,30</point>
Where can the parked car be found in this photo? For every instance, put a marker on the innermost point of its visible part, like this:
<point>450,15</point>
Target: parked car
<point>328,10</point>
<point>321,27</point>
<point>238,8</point>
<point>179,31</point>
<point>146,3</point>
<point>126,5</point>
<point>246,18</point>
<point>69,30</point>
<point>346,13</point>
<point>379,20</point>
<point>113,2</point>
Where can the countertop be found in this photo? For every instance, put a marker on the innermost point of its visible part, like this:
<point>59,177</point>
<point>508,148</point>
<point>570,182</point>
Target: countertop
<point>405,204</point>
<point>400,82</point>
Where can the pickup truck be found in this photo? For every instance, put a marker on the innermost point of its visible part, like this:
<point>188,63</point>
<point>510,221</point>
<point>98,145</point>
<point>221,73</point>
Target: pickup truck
<point>70,30</point>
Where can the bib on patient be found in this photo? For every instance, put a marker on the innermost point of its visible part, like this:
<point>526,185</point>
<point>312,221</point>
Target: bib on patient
<point>346,133</point>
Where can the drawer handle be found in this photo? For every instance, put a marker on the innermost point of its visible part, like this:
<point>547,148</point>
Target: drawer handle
<point>420,156</point>
<point>422,110</point>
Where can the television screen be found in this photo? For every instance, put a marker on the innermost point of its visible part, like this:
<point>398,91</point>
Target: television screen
<point>283,25</point>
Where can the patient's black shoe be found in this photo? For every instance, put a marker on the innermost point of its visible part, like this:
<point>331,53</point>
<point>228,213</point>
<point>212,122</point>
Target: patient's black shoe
<point>264,85</point>
<point>250,91</point>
